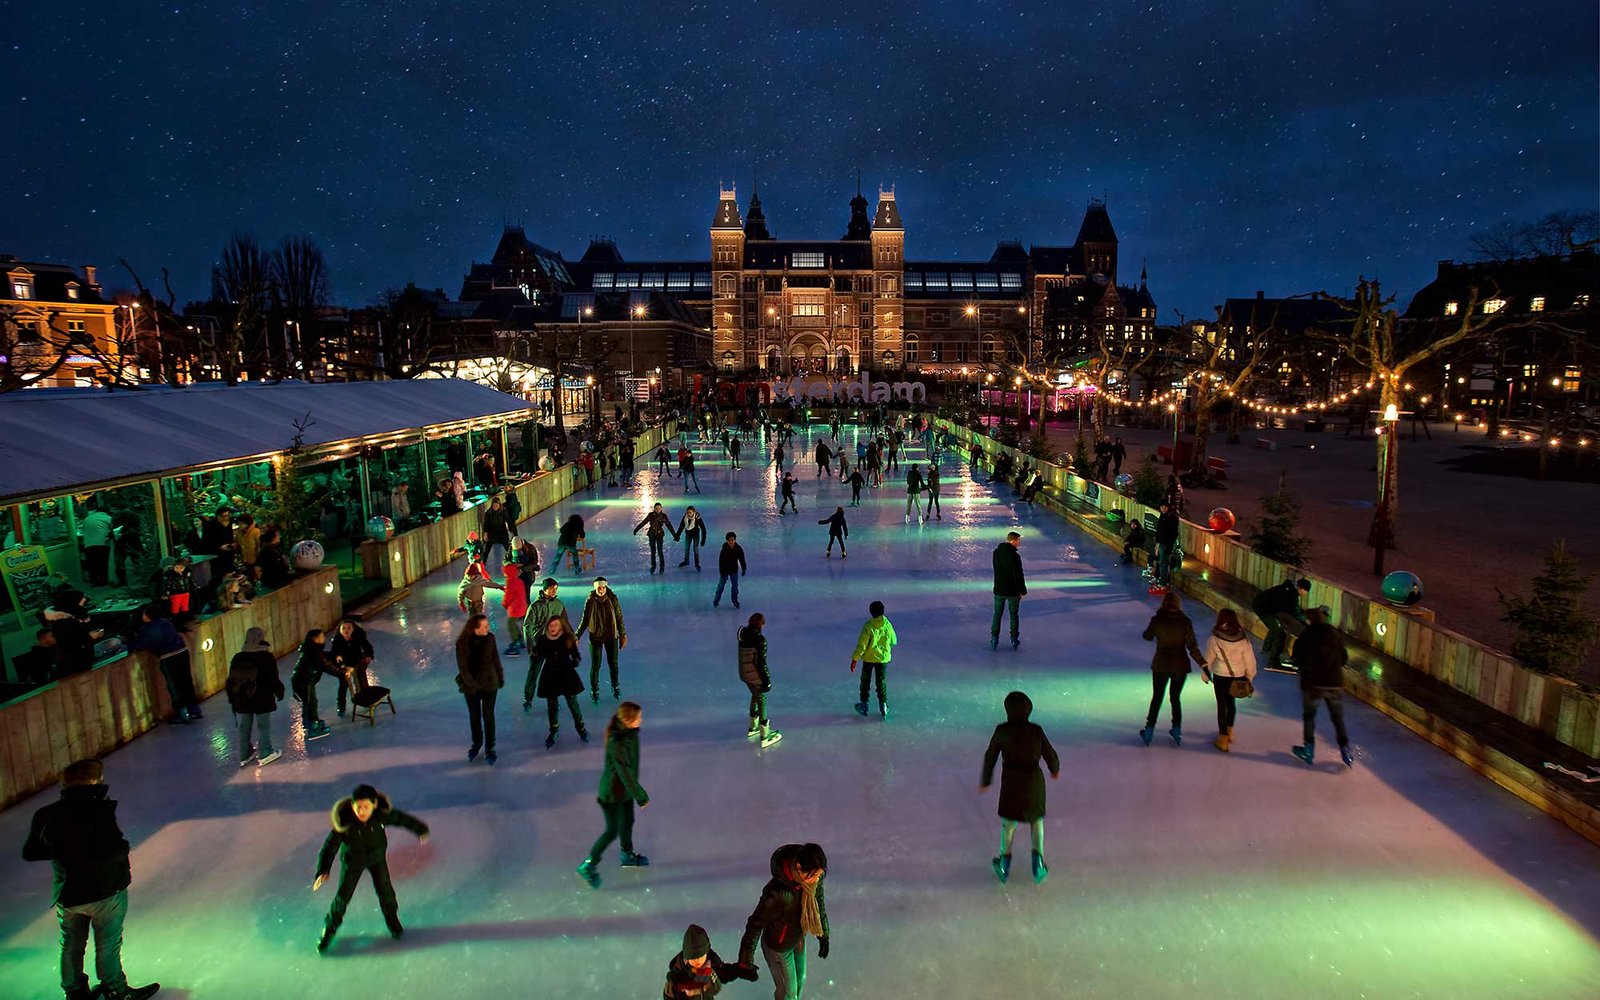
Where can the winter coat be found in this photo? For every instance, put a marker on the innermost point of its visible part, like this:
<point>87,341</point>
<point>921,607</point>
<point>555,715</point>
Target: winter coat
<point>931,484</point>
<point>274,566</point>
<point>311,665</point>
<point>556,661</point>
<point>362,845</point>
<point>1008,579</point>
<point>619,777</point>
<point>876,642</point>
<point>79,836</point>
<point>159,637</point>
<point>1167,528</point>
<point>571,534</point>
<point>657,521</point>
<point>351,652</point>
<point>775,922</point>
<point>254,687</point>
<point>496,524</point>
<point>1174,637</point>
<point>1019,745</point>
<point>913,482</point>
<point>836,525</point>
<point>448,503</point>
<point>514,597</point>
<point>824,456</point>
<point>730,559</point>
<point>528,562</point>
<point>602,617</point>
<point>541,611</point>
<point>469,592</point>
<point>1230,657</point>
<point>170,584</point>
<point>1320,656</point>
<point>694,524</point>
<point>681,979</point>
<point>753,659</point>
<point>478,669</point>
<point>1284,599</point>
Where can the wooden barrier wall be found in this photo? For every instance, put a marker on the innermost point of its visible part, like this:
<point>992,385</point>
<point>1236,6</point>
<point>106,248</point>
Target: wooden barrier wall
<point>1553,705</point>
<point>407,558</point>
<point>90,714</point>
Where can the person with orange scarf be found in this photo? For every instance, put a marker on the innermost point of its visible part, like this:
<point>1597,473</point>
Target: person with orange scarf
<point>792,905</point>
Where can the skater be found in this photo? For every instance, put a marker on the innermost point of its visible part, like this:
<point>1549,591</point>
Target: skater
<point>568,542</point>
<point>79,836</point>
<point>777,457</point>
<point>254,690</point>
<point>753,670</point>
<point>659,524</point>
<point>786,488</point>
<point>158,636</point>
<point>1276,607</point>
<point>350,650</point>
<point>473,548</point>
<point>469,592</point>
<point>1009,587</point>
<point>931,484</point>
<point>527,560</point>
<point>730,566</point>
<point>308,669</point>
<point>1167,526</point>
<point>698,972</point>
<point>496,529</point>
<point>893,465</point>
<point>856,482</point>
<point>602,619</point>
<point>734,447</point>
<point>874,646</point>
<point>1134,540</point>
<point>844,467</point>
<point>625,451</point>
<point>824,458</point>
<point>361,840</point>
<point>913,491</point>
<point>686,470</point>
<point>619,792</point>
<point>664,459</point>
<point>1320,655</point>
<point>838,531</point>
<point>692,529</point>
<point>1019,745</point>
<point>555,659</point>
<point>514,598</point>
<point>793,905</point>
<point>1173,634</point>
<point>479,678</point>
<point>1231,669</point>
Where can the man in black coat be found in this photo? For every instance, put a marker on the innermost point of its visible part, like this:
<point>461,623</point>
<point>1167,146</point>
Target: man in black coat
<point>730,566</point>
<point>1320,654</point>
<point>1009,587</point>
<point>1277,607</point>
<point>80,838</point>
<point>360,840</point>
<point>1167,526</point>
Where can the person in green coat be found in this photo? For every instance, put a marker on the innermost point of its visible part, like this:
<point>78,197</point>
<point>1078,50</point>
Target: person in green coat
<point>874,646</point>
<point>619,790</point>
<point>535,622</point>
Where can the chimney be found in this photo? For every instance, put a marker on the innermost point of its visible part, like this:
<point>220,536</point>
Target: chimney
<point>88,277</point>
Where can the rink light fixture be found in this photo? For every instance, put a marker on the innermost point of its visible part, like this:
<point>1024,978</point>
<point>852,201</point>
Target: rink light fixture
<point>1383,628</point>
<point>327,588</point>
<point>207,645</point>
<point>397,557</point>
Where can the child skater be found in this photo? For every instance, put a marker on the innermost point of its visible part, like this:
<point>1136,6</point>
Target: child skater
<point>360,838</point>
<point>555,658</point>
<point>469,595</point>
<point>1021,744</point>
<point>619,790</point>
<point>697,971</point>
<point>308,669</point>
<point>758,678</point>
<point>856,482</point>
<point>874,646</point>
<point>838,530</point>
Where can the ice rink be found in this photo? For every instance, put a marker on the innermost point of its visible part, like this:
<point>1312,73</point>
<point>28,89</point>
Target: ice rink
<point>1175,872</point>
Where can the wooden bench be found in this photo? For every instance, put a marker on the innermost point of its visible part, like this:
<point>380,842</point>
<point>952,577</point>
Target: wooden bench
<point>1217,466</point>
<point>1164,454</point>
<point>1266,444</point>
<point>582,559</point>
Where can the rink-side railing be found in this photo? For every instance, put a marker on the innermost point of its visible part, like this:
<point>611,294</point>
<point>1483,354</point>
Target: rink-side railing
<point>92,713</point>
<point>407,558</point>
<point>1557,707</point>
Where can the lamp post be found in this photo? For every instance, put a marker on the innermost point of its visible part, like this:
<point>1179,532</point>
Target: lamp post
<point>988,380</point>
<point>1382,535</point>
<point>636,313</point>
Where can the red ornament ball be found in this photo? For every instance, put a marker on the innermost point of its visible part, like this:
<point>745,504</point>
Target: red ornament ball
<point>1222,519</point>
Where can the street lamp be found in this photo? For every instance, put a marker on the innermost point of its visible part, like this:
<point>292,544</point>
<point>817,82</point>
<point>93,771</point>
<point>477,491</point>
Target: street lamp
<point>633,364</point>
<point>1382,534</point>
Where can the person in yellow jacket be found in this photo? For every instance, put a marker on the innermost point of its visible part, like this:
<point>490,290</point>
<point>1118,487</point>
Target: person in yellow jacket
<point>873,648</point>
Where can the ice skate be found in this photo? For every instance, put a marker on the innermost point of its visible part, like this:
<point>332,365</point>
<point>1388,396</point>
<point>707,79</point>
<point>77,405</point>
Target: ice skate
<point>883,710</point>
<point>1147,734</point>
<point>318,731</point>
<point>1176,732</point>
<point>769,736</point>
<point>1002,867</point>
<point>269,758</point>
<point>1348,757</point>
<point>550,740</point>
<point>587,872</point>
<point>632,860</point>
<point>490,757</point>
<point>1307,753</point>
<point>472,754</point>
<point>754,730</point>
<point>861,709</point>
<point>1015,642</point>
<point>396,931</point>
<point>994,641</point>
<point>583,734</point>
<point>246,762</point>
<point>129,992</point>
<point>326,939</point>
<point>1041,871</point>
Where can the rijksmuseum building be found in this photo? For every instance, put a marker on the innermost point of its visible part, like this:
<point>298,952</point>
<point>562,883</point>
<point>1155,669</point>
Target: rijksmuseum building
<point>769,306</point>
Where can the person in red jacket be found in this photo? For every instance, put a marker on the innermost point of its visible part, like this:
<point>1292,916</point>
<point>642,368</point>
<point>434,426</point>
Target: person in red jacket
<point>514,598</point>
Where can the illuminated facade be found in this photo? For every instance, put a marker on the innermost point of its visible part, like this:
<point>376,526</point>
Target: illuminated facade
<point>55,329</point>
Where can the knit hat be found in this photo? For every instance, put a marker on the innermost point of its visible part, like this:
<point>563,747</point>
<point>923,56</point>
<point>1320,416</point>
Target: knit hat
<point>549,581</point>
<point>256,639</point>
<point>696,942</point>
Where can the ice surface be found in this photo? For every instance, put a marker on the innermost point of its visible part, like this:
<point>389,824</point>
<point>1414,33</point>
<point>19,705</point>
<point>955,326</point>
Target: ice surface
<point>1174,872</point>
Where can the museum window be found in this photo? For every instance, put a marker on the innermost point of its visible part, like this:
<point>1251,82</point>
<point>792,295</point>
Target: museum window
<point>1492,306</point>
<point>1573,381</point>
<point>72,292</point>
<point>807,309</point>
<point>890,284</point>
<point>627,281</point>
<point>961,282</point>
<point>808,259</point>
<point>988,281</point>
<point>726,285</point>
<point>1536,304</point>
<point>1011,281</point>
<point>702,280</point>
<point>78,332</point>
<point>1451,308</point>
<point>914,281</point>
<point>678,281</point>
<point>654,279</point>
<point>935,281</point>
<point>912,350</point>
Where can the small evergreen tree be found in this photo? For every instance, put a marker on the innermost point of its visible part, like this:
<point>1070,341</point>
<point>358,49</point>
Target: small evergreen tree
<point>1553,628</point>
<point>1149,486</point>
<point>290,506</point>
<point>1082,463</point>
<point>1275,534</point>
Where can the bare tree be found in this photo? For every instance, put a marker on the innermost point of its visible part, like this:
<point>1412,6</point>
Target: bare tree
<point>1225,376</point>
<point>299,274</point>
<point>241,285</point>
<point>1115,360</point>
<point>1557,233</point>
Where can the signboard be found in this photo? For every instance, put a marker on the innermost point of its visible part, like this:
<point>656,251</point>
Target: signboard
<point>27,573</point>
<point>1091,493</point>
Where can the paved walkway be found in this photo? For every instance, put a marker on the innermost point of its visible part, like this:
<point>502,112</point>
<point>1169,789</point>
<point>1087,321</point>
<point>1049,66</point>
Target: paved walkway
<point>1176,872</point>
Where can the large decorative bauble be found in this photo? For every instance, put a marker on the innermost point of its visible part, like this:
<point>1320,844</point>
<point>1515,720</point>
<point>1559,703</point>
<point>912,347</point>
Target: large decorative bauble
<point>1123,482</point>
<point>1221,520</point>
<point>380,529</point>
<point>306,555</point>
<point>1402,588</point>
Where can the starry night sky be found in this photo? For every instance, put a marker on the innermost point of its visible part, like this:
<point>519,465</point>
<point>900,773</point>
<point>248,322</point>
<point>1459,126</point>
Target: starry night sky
<point>1284,146</point>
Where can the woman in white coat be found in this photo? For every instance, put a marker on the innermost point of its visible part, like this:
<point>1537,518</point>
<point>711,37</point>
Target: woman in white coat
<point>1229,657</point>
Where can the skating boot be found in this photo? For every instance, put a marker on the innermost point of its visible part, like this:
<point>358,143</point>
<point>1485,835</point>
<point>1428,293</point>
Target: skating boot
<point>828,554</point>
<point>883,710</point>
<point>843,554</point>
<point>318,731</point>
<point>527,707</point>
<point>472,754</point>
<point>994,641</point>
<point>1348,757</point>
<point>1147,734</point>
<point>632,860</point>
<point>131,992</point>
<point>1176,732</point>
<point>396,931</point>
<point>594,697</point>
<point>769,736</point>
<point>326,939</point>
<point>1307,753</point>
<point>550,740</point>
<point>616,693</point>
<point>1222,742</point>
<point>490,757</point>
<point>1041,871</point>
<point>1002,867</point>
<point>1016,641</point>
<point>587,872</point>
<point>754,730</point>
<point>583,734</point>
<point>861,709</point>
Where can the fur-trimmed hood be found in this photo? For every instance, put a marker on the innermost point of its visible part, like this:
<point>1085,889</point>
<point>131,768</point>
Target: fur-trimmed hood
<point>342,817</point>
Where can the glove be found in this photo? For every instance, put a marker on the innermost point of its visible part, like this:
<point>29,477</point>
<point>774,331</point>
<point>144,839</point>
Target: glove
<point>822,946</point>
<point>746,971</point>
<point>765,688</point>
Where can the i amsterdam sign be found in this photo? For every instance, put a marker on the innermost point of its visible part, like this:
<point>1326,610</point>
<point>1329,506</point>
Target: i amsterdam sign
<point>802,389</point>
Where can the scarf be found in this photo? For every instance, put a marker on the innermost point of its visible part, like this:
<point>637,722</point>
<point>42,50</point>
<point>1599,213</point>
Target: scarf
<point>810,913</point>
